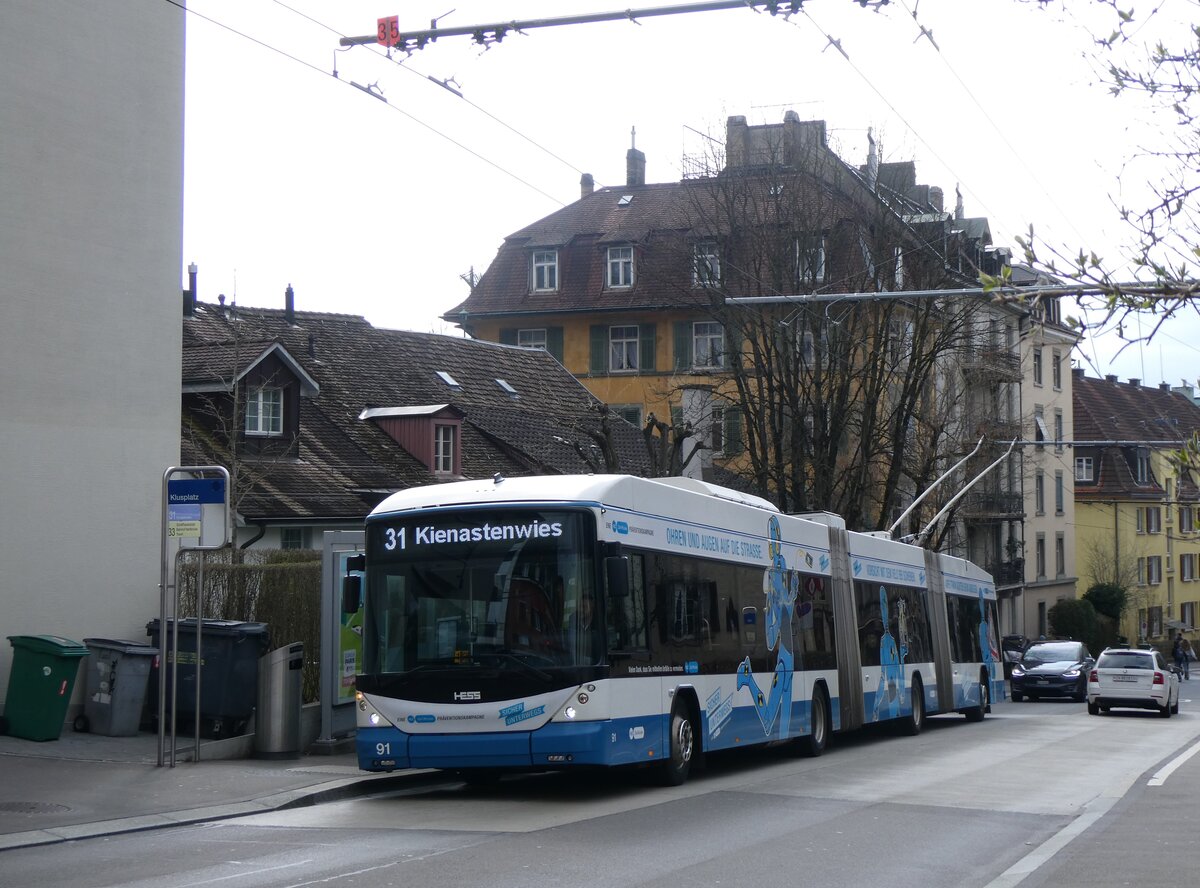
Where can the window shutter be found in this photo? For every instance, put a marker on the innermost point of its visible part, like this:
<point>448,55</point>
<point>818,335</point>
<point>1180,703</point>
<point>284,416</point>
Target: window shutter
<point>733,344</point>
<point>508,335</point>
<point>646,346</point>
<point>599,357</point>
<point>683,346</point>
<point>676,416</point>
<point>733,432</point>
<point>554,342</point>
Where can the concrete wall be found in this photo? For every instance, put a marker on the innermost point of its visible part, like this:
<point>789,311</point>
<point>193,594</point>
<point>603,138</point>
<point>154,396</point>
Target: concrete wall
<point>91,225</point>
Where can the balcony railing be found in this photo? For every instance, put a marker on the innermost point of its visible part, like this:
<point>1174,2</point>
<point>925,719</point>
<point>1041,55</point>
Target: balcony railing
<point>992,362</point>
<point>1008,573</point>
<point>993,504</point>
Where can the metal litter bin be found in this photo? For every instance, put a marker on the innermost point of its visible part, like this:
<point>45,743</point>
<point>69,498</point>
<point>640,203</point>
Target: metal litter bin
<point>277,720</point>
<point>40,684</point>
<point>117,674</point>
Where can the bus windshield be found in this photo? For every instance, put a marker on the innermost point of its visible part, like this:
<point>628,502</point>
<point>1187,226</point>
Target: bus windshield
<point>477,588</point>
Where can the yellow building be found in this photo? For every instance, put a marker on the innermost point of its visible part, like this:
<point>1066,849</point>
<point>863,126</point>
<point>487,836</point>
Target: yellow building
<point>1137,510</point>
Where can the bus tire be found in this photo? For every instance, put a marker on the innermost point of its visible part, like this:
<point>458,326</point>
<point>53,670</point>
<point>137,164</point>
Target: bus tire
<point>976,713</point>
<point>681,748</point>
<point>814,743</point>
<point>911,724</point>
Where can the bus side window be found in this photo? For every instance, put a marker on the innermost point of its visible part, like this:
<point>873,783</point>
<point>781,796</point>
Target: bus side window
<point>627,616</point>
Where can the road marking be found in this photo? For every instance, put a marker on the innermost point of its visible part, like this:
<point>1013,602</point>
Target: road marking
<point>1169,768</point>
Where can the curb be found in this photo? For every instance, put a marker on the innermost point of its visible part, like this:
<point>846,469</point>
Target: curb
<point>331,791</point>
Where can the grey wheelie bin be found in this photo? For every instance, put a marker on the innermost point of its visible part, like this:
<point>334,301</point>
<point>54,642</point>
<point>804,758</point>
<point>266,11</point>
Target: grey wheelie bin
<point>117,674</point>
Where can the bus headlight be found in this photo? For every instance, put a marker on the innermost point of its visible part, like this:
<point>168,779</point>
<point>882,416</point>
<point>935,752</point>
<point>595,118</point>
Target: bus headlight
<point>570,712</point>
<point>375,719</point>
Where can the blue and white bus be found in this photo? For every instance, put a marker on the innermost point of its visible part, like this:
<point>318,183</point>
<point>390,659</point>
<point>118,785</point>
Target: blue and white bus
<point>603,620</point>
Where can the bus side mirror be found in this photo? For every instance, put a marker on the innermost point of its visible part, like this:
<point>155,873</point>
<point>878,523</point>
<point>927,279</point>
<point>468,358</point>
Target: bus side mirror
<point>616,572</point>
<point>351,594</point>
<point>352,585</point>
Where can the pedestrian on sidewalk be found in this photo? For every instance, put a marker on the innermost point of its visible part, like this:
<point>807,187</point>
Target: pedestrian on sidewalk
<point>1178,655</point>
<point>1188,656</point>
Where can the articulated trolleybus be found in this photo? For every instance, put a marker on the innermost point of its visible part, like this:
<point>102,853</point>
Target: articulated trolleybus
<point>602,620</point>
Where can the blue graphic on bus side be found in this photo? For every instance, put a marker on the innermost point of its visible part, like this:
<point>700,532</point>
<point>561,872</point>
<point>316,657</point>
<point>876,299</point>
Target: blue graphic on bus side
<point>691,667</point>
<point>620,527</point>
<point>422,719</point>
<point>781,587</point>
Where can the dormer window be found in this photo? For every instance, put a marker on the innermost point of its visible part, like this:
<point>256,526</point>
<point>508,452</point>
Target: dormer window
<point>545,271</point>
<point>444,440</point>
<point>706,265</point>
<point>620,267</point>
<point>264,411</point>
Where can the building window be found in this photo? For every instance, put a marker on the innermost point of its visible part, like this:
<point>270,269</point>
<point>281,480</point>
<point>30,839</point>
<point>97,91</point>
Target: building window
<point>295,538</point>
<point>1042,623</point>
<point>1083,469</point>
<point>631,413</point>
<point>1040,550</point>
<point>1149,519</point>
<point>1149,570</point>
<point>1186,521</point>
<point>1060,555</point>
<point>1040,433</point>
<point>1142,466</point>
<point>533,338</point>
<point>898,266</point>
<point>1156,621</point>
<point>810,260</point>
<point>623,348</point>
<point>1058,430</point>
<point>620,267</point>
<point>1037,366</point>
<point>264,412</point>
<point>1056,370</point>
<point>1187,613</point>
<point>443,449</point>
<point>1187,567</point>
<point>708,345</point>
<point>706,265</point>
<point>1039,492</point>
<point>545,270</point>
<point>1058,493</point>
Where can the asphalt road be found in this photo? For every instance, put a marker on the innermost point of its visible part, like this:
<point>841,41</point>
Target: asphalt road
<point>1037,794</point>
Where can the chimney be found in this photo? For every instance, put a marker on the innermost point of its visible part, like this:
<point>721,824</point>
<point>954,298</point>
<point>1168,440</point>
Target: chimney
<point>872,161</point>
<point>1110,377</point>
<point>1135,382</point>
<point>959,213</point>
<point>586,185</point>
<point>1077,372</point>
<point>635,162</point>
<point>289,306</point>
<point>937,199</point>
<point>189,295</point>
<point>1164,386</point>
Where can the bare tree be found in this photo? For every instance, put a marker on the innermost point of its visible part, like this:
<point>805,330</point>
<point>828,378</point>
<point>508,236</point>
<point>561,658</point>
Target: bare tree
<point>842,401</point>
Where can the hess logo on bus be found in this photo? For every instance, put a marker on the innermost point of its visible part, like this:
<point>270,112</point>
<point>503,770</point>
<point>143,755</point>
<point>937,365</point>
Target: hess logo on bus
<point>463,696</point>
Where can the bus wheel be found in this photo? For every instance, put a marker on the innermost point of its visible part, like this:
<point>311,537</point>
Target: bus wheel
<point>815,742</point>
<point>976,713</point>
<point>682,746</point>
<point>912,723</point>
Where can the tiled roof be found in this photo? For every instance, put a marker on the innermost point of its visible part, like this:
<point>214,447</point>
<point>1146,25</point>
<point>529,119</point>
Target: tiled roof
<point>345,465</point>
<point>1108,410</point>
<point>1119,417</point>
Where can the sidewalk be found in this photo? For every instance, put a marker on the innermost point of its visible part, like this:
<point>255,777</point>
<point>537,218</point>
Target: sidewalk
<point>86,785</point>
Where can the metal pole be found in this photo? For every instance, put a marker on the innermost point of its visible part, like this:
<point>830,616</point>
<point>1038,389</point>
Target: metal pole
<point>174,658</point>
<point>497,30</point>
<point>162,622</point>
<point>199,657</point>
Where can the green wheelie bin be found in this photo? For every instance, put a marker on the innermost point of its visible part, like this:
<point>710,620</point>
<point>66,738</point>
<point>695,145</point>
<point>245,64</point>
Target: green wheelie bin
<point>40,684</point>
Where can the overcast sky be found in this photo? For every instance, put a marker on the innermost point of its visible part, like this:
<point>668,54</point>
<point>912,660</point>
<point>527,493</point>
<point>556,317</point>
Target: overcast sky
<point>378,208</point>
